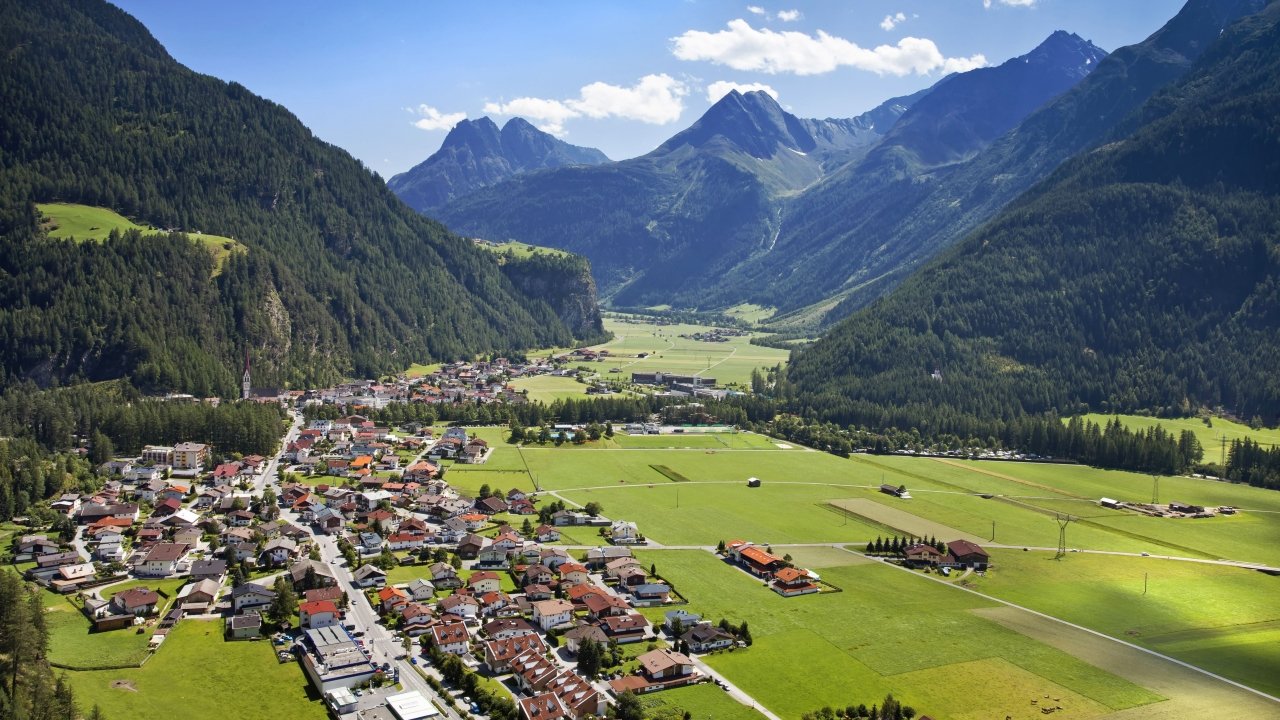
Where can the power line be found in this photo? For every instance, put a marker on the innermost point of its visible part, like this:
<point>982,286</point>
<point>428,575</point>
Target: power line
<point>1063,521</point>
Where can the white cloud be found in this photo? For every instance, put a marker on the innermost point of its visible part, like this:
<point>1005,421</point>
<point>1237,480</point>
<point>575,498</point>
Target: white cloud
<point>548,115</point>
<point>743,47</point>
<point>654,99</point>
<point>788,15</point>
<point>890,21</point>
<point>433,119</point>
<point>1011,3</point>
<point>720,88</point>
<point>756,10</point>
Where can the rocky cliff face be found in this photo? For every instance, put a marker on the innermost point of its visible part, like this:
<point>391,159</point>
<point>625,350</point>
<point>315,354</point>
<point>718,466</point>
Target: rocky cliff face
<point>565,282</point>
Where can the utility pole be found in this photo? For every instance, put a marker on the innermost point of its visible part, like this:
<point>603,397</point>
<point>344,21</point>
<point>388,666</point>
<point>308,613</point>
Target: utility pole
<point>1155,489</point>
<point>993,531</point>
<point>1144,583</point>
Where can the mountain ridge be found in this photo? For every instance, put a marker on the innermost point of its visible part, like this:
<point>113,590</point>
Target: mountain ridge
<point>477,154</point>
<point>338,278</point>
<point>1143,275</point>
<point>763,161</point>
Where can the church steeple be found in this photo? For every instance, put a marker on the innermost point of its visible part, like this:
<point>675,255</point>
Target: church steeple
<point>244,382</point>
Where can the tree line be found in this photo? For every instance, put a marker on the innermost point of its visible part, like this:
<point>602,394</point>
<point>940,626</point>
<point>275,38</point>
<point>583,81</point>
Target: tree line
<point>29,688</point>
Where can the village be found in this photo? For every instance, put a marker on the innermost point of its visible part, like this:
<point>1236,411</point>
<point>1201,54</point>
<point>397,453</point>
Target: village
<point>375,569</point>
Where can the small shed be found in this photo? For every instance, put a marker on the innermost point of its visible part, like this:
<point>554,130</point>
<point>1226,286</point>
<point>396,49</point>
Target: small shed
<point>753,482</point>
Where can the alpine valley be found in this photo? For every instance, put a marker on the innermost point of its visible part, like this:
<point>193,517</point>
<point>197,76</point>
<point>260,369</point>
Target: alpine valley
<point>963,406</point>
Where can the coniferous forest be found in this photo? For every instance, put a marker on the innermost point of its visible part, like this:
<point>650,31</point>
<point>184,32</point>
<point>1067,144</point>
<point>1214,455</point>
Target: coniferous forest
<point>339,278</point>
<point>1140,276</point>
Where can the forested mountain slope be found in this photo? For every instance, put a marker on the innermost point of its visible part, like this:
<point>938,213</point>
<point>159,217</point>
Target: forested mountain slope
<point>339,277</point>
<point>1142,275</point>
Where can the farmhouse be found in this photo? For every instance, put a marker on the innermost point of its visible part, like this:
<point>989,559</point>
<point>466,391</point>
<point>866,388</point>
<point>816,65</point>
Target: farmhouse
<point>963,553</point>
<point>754,559</point>
<point>135,601</point>
<point>789,582</point>
<point>921,555</point>
<point>705,638</point>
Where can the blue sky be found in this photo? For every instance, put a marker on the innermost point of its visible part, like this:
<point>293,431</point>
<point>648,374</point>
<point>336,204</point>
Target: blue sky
<point>385,80</point>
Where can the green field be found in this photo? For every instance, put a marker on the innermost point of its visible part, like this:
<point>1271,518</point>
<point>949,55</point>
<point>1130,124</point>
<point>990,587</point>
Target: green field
<point>728,362</point>
<point>198,675</point>
<point>700,701</point>
<point>1221,618</point>
<point>522,250</point>
<point>71,643</point>
<point>549,388</point>
<point>887,632</point>
<point>84,222</point>
<point>1210,437</point>
<point>749,312</point>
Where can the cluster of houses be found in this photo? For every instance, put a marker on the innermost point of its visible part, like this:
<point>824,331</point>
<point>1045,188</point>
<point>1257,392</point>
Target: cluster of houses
<point>479,382</point>
<point>959,554</point>
<point>782,577</point>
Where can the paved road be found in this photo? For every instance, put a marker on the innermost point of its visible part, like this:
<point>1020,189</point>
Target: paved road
<point>377,638</point>
<point>268,474</point>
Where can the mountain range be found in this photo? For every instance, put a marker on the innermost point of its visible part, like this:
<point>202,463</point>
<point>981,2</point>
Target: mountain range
<point>476,154</point>
<point>333,277</point>
<point>1143,274</point>
<point>723,212</point>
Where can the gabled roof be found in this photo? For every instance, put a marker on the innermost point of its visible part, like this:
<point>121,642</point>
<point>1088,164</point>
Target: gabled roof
<point>315,607</point>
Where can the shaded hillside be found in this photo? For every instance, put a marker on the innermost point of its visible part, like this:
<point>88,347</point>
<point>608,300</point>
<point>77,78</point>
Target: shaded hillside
<point>868,246</point>
<point>857,231</point>
<point>1144,275</point>
<point>477,154</point>
<point>339,277</point>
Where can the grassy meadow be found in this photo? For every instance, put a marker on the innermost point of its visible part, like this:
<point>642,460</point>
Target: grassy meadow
<point>727,362</point>
<point>71,643</point>
<point>1221,618</point>
<point>886,632</point>
<point>83,222</point>
<point>198,675</point>
<point>1210,436</point>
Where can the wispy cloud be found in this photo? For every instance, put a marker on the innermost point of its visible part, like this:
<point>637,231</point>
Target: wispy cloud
<point>432,119</point>
<point>890,21</point>
<point>788,15</point>
<point>1011,3</point>
<point>654,99</point>
<point>720,88</point>
<point>743,47</point>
